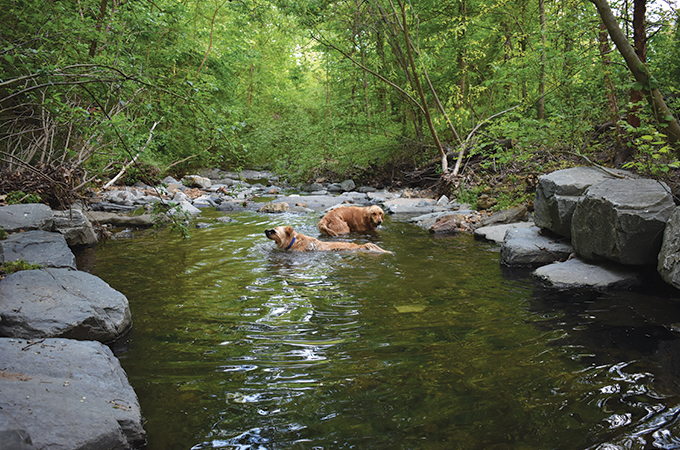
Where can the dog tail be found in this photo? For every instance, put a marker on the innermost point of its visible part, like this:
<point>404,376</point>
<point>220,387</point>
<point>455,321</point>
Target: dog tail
<point>371,247</point>
<point>323,228</point>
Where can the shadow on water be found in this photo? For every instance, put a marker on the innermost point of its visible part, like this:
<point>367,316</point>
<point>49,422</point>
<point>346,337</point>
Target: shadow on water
<point>238,345</point>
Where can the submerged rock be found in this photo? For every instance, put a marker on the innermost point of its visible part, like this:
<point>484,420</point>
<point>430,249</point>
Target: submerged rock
<point>579,273</point>
<point>528,247</point>
<point>278,207</point>
<point>66,394</point>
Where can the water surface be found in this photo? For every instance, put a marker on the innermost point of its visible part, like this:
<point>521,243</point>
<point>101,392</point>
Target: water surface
<point>238,345</point>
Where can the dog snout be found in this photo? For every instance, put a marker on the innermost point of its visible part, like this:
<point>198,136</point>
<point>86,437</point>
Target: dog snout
<point>269,232</point>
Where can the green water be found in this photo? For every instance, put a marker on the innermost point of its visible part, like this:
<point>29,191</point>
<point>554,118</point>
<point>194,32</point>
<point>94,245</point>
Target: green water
<point>237,345</point>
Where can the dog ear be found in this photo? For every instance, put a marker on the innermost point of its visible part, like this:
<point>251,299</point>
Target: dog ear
<point>289,230</point>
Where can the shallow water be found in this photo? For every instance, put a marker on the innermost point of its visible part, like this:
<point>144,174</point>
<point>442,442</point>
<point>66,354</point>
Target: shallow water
<point>238,345</point>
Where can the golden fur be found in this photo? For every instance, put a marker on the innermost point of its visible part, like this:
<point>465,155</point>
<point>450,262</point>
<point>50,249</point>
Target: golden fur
<point>346,219</point>
<point>288,239</point>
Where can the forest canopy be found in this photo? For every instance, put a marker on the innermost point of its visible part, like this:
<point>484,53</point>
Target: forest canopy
<point>317,88</point>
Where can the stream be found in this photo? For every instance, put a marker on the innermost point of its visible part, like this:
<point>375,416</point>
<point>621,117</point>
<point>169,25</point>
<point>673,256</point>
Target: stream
<point>238,345</point>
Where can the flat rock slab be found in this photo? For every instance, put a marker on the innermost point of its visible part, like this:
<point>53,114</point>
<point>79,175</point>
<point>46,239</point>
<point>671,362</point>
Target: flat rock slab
<point>38,247</point>
<point>579,273</point>
<point>528,247</point>
<point>36,216</point>
<point>144,220</point>
<point>413,206</point>
<point>61,303</point>
<point>496,233</point>
<point>66,394</point>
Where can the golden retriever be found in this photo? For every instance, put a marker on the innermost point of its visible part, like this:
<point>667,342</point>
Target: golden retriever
<point>346,219</point>
<point>288,239</point>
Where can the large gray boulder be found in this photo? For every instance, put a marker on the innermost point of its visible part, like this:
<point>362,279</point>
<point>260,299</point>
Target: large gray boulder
<point>75,227</point>
<point>348,185</point>
<point>35,216</point>
<point>38,247</point>
<point>558,192</point>
<point>61,303</point>
<point>66,394</point>
<point>622,220</point>
<point>527,247</point>
<point>668,264</point>
<point>576,273</point>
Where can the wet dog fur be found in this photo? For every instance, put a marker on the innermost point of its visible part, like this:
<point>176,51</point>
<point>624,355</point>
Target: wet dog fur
<point>287,238</point>
<point>345,219</point>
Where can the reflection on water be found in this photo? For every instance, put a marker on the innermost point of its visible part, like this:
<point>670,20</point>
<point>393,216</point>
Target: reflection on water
<point>237,345</point>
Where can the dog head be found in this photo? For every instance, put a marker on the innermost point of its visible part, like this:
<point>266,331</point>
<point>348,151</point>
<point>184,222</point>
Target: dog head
<point>283,236</point>
<point>375,215</point>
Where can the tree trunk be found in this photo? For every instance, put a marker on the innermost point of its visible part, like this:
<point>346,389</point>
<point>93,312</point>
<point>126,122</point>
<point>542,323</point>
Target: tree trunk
<point>622,153</point>
<point>98,27</point>
<point>640,45</point>
<point>540,113</point>
<point>419,88</point>
<point>640,72</point>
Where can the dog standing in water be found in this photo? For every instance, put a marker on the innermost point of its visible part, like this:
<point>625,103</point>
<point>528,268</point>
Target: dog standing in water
<point>345,219</point>
<point>288,239</point>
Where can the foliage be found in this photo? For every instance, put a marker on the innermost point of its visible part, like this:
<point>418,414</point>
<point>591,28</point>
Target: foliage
<point>10,267</point>
<point>311,89</point>
<point>653,155</point>
<point>3,233</point>
<point>469,195</point>
<point>172,215</point>
<point>16,197</point>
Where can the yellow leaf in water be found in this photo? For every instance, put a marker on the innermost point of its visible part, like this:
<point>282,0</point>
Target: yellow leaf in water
<point>410,308</point>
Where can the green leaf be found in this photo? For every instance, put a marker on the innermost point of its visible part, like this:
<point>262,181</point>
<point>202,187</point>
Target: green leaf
<point>637,86</point>
<point>9,58</point>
